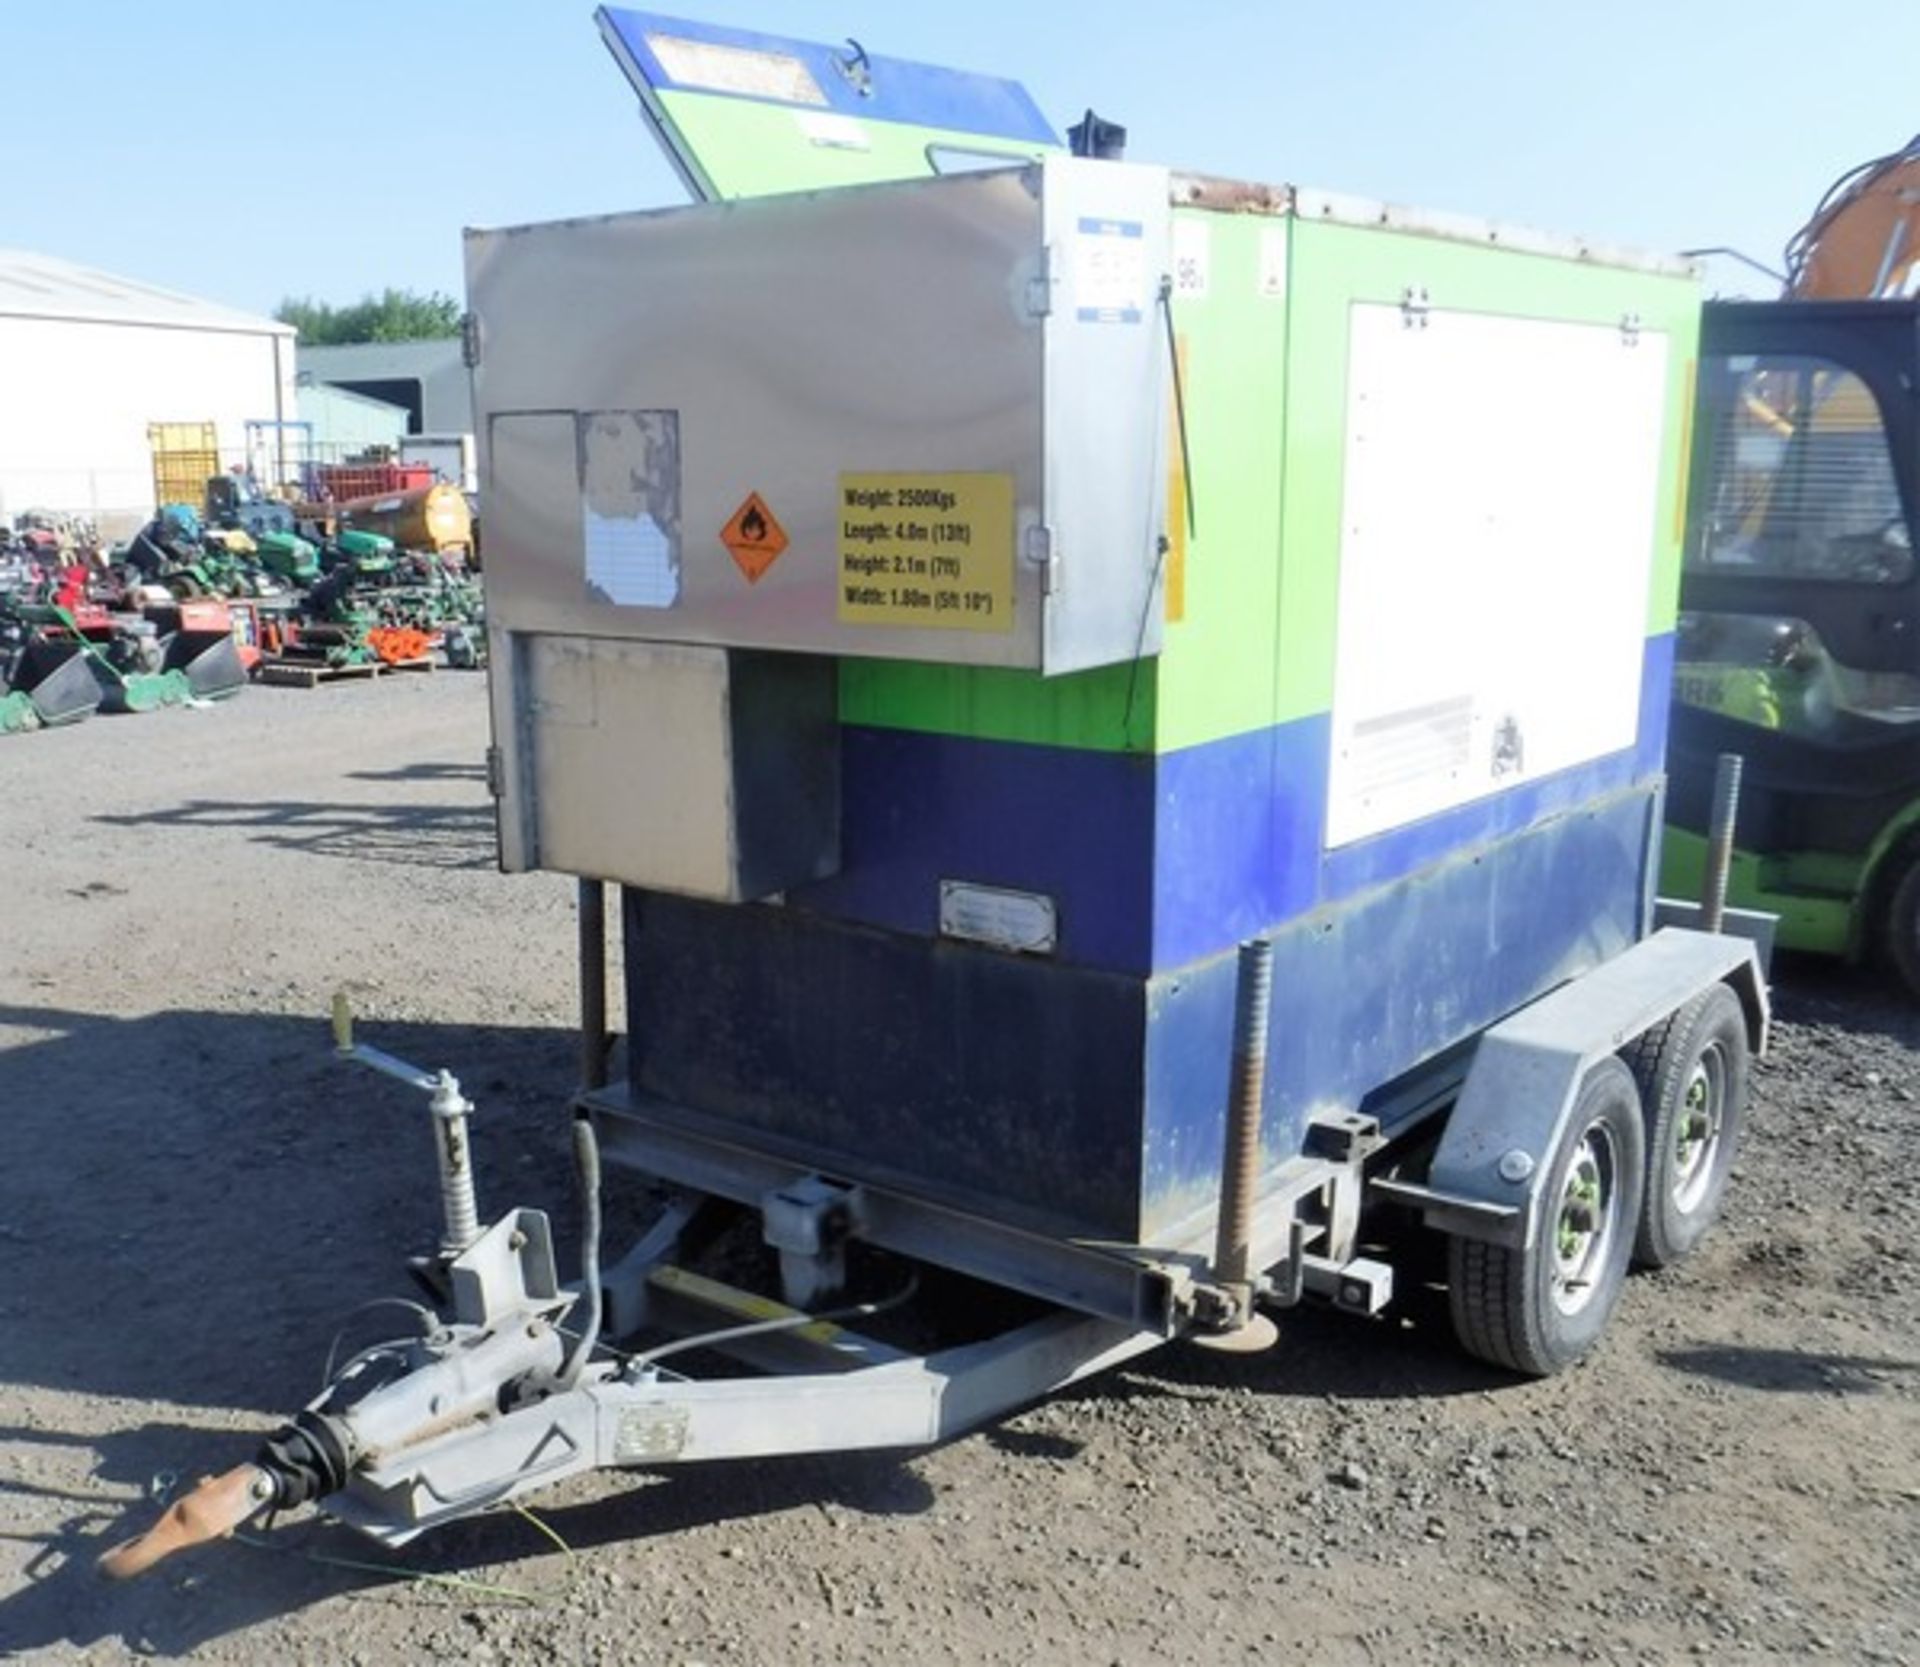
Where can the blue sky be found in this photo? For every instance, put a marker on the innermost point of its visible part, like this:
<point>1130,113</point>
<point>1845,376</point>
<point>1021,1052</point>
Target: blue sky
<point>247,153</point>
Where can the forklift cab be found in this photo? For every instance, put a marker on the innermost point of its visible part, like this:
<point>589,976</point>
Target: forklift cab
<point>1806,473</point>
<point>1799,636</point>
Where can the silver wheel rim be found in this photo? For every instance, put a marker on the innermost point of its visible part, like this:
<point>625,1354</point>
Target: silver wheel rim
<point>1698,1124</point>
<point>1587,1220</point>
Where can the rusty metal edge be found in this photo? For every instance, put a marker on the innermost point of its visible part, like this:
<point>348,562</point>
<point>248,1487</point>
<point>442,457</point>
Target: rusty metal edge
<point>1230,196</point>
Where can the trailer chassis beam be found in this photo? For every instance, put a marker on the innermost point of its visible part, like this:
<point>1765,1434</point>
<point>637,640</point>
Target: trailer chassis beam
<point>615,1420</point>
<point>1146,1287</point>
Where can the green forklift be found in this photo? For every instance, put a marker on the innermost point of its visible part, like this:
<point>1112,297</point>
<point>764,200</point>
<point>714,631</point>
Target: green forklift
<point>1798,645</point>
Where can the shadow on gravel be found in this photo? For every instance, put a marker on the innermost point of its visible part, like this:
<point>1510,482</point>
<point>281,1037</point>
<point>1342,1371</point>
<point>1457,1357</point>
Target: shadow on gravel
<point>423,772</point>
<point>1862,1000</point>
<point>192,1202</point>
<point>423,836</point>
<point>1795,1370</point>
<point>206,1594</point>
<point>1321,1354</point>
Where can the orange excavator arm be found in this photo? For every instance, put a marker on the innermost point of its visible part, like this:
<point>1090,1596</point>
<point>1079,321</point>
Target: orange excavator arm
<point>1863,241</point>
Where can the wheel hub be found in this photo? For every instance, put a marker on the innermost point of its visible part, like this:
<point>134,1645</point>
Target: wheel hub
<point>1696,1129</point>
<point>1586,1221</point>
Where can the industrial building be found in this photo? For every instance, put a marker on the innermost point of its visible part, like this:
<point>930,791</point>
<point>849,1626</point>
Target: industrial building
<point>428,379</point>
<point>341,424</point>
<point>92,362</point>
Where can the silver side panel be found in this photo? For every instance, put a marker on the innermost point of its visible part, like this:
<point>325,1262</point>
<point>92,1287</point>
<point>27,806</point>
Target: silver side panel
<point>702,771</point>
<point>1107,390</point>
<point>988,346</point>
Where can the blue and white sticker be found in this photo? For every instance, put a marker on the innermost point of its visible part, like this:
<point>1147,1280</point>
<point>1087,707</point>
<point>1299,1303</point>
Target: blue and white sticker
<point>1110,271</point>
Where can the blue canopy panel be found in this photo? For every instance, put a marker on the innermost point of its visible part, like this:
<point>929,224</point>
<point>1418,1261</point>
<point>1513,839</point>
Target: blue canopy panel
<point>742,114</point>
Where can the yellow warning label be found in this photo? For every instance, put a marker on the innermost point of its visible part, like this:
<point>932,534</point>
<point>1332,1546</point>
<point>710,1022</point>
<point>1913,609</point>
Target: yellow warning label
<point>927,550</point>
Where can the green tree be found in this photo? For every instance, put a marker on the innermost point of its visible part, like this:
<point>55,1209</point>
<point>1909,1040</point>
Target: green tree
<point>393,315</point>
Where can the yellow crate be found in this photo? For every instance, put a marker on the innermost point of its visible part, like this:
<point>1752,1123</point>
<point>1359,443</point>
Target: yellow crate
<point>184,455</point>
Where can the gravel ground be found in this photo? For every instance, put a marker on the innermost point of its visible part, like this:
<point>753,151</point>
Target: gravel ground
<point>192,1196</point>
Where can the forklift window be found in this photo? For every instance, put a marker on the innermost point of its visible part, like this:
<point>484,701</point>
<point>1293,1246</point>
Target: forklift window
<point>1796,476</point>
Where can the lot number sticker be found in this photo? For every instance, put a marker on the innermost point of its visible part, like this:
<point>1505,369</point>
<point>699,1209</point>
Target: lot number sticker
<point>927,550</point>
<point>1109,272</point>
<point>1192,259</point>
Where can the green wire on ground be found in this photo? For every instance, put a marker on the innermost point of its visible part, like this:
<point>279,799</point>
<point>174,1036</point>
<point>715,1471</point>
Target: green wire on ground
<point>461,1583</point>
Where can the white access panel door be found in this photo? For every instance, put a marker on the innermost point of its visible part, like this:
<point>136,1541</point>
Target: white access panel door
<point>1501,486</point>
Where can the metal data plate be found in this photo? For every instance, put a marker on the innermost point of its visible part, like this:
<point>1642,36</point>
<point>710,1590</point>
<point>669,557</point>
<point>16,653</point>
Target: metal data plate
<point>1024,921</point>
<point>920,421</point>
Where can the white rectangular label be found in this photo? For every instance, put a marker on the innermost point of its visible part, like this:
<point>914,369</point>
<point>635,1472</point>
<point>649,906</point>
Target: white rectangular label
<point>1192,259</point>
<point>836,132</point>
<point>1273,262</point>
<point>1109,271</point>
<point>1498,524</point>
<point>630,506</point>
<point>716,67</point>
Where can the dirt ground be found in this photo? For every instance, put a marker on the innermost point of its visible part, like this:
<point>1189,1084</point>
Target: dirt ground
<point>193,1196</point>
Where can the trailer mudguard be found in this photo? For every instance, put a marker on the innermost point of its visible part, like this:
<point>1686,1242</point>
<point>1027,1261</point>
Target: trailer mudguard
<point>1494,1154</point>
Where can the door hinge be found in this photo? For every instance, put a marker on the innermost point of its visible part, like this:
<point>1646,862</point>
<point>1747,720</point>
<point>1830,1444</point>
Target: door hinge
<point>470,339</point>
<point>1414,307</point>
<point>1038,547</point>
<point>496,774</point>
<point>1630,329</point>
<point>1040,286</point>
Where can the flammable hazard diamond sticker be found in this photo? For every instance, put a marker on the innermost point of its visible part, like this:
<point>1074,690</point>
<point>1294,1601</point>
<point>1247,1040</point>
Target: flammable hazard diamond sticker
<point>753,538</point>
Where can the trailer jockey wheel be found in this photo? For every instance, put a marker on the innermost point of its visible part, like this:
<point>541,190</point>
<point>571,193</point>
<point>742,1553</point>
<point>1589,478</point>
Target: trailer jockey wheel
<point>1693,1070</point>
<point>1540,1307</point>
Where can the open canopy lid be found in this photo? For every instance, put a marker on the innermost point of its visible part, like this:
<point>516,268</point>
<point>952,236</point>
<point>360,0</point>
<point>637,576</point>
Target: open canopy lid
<point>743,114</point>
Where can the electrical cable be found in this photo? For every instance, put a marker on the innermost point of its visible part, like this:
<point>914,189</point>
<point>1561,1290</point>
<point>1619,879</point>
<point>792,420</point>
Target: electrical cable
<point>430,1324</point>
<point>1164,300</point>
<point>586,1157</point>
<point>456,1583</point>
<point>786,1322</point>
<point>1179,399</point>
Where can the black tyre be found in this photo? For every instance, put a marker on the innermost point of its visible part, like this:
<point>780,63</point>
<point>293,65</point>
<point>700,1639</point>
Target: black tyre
<point>1900,929</point>
<point>1693,1071</point>
<point>1540,1308</point>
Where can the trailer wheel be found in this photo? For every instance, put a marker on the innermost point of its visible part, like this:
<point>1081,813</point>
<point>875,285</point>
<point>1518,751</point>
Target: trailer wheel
<point>1900,928</point>
<point>1692,1069</point>
<point>1539,1308</point>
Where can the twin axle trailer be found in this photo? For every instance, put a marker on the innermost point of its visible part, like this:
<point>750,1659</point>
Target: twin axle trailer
<point>1126,713</point>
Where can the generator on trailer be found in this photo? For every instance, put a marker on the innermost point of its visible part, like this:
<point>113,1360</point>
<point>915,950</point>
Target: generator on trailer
<point>1125,711</point>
